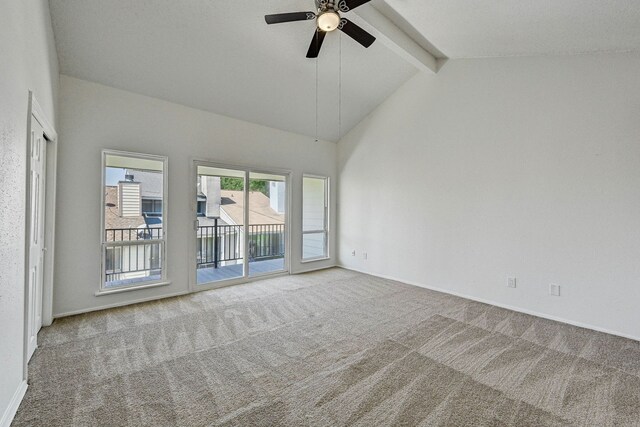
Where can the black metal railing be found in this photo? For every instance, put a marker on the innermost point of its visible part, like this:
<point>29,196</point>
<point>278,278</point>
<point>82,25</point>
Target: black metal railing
<point>138,251</point>
<point>131,234</point>
<point>123,262</point>
<point>266,241</point>
<point>132,252</point>
<point>221,243</point>
<point>218,243</point>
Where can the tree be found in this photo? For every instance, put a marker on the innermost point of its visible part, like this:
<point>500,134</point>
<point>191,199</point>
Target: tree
<point>261,186</point>
<point>227,183</point>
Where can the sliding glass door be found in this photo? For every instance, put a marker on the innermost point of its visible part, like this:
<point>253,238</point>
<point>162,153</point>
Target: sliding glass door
<point>240,224</point>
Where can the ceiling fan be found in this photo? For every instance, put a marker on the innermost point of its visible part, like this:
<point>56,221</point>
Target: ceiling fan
<point>327,19</point>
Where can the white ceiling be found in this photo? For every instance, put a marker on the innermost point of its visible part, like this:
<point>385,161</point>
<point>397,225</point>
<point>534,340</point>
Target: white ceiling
<point>491,28</point>
<point>220,56</point>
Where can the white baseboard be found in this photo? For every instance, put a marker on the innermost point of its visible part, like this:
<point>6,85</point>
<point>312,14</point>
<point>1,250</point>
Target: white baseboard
<point>11,410</point>
<point>118,304</point>
<point>312,269</point>
<point>175,294</point>
<point>497,304</point>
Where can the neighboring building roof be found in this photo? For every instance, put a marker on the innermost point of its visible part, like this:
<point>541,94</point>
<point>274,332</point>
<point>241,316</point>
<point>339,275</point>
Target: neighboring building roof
<point>260,212</point>
<point>153,221</point>
<point>150,183</point>
<point>232,203</point>
<point>112,217</point>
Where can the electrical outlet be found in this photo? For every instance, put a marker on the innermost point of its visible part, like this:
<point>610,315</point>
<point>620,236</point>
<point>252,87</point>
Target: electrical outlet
<point>511,282</point>
<point>364,255</point>
<point>554,290</point>
<point>353,253</point>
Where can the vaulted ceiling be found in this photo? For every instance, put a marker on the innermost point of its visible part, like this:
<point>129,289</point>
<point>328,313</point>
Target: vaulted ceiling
<point>494,28</point>
<point>220,56</point>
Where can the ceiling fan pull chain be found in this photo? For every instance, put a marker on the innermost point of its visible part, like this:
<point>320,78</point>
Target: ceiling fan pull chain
<point>316,99</point>
<point>340,91</point>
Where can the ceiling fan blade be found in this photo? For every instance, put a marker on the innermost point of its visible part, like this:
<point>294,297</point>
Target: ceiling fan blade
<point>356,33</point>
<point>347,5</point>
<point>316,44</point>
<point>279,18</point>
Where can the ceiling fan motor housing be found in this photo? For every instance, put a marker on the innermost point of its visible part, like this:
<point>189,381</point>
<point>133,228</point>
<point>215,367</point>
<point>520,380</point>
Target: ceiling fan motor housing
<point>324,5</point>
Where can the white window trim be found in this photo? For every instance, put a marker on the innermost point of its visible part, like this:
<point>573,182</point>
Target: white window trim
<point>247,169</point>
<point>327,210</point>
<point>165,214</point>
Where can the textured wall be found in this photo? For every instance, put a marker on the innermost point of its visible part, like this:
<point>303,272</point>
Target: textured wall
<point>94,117</point>
<point>29,62</point>
<point>524,167</point>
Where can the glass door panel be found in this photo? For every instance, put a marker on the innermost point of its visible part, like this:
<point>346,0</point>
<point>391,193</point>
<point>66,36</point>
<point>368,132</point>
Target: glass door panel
<point>220,216</point>
<point>267,235</point>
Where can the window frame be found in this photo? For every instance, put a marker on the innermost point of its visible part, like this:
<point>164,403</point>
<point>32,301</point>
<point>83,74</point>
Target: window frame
<point>246,170</point>
<point>201,212</point>
<point>327,210</point>
<point>153,211</point>
<point>102,290</point>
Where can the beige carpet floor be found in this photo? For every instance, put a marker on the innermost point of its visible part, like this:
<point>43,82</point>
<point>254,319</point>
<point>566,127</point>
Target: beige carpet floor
<point>331,348</point>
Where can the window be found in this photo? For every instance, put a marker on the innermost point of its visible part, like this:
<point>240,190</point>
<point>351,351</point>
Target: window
<point>202,208</point>
<point>315,221</point>
<point>152,207</point>
<point>133,220</point>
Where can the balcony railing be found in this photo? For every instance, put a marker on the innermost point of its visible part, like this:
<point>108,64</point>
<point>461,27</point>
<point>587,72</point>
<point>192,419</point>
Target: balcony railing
<point>131,234</point>
<point>227,239</point>
<point>132,253</point>
<point>220,244</point>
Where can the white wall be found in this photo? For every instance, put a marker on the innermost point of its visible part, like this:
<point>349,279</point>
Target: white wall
<point>28,62</point>
<point>496,167</point>
<point>94,117</point>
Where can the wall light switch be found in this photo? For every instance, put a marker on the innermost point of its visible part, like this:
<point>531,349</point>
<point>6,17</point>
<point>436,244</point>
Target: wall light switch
<point>511,282</point>
<point>353,253</point>
<point>554,290</point>
<point>364,255</point>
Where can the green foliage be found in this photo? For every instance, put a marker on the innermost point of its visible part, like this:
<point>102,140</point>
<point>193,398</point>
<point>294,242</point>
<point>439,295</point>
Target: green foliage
<point>237,184</point>
<point>232,183</point>
<point>261,186</point>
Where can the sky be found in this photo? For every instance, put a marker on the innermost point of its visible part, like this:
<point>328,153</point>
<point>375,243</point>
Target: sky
<point>113,175</point>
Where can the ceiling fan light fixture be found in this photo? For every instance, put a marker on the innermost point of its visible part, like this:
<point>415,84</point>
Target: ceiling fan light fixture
<point>328,21</point>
